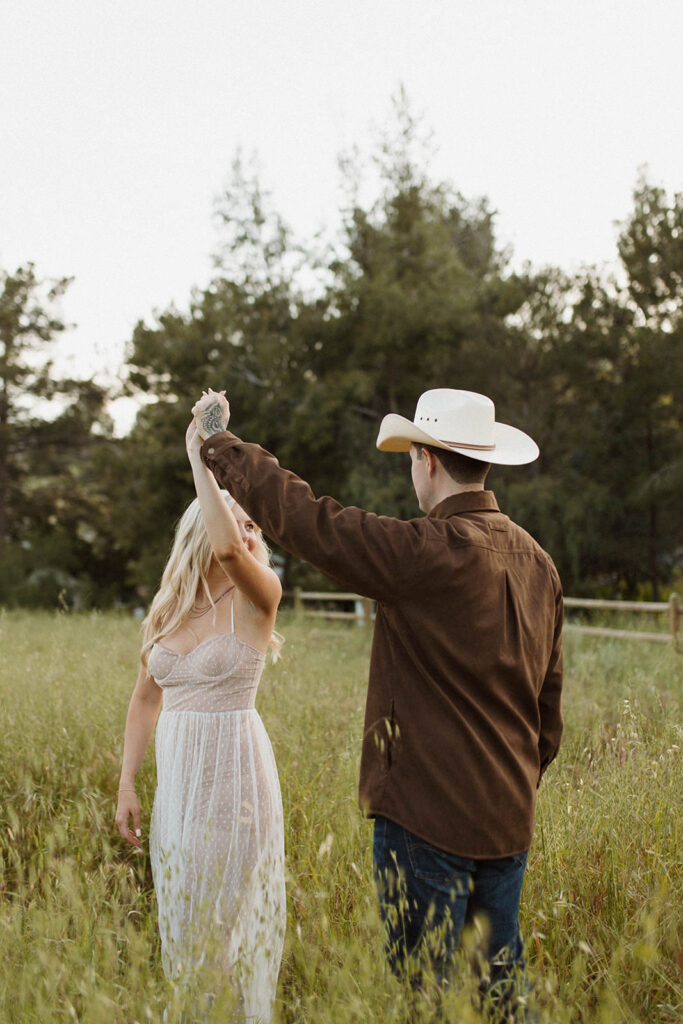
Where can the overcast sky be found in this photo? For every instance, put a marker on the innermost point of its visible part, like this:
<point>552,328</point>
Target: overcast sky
<point>120,121</point>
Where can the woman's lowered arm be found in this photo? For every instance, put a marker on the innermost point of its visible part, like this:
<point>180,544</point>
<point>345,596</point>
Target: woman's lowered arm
<point>143,712</point>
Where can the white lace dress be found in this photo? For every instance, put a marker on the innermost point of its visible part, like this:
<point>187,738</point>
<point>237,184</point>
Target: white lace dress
<point>216,837</point>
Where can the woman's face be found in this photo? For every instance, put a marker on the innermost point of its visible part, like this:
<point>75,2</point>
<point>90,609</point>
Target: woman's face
<point>247,527</point>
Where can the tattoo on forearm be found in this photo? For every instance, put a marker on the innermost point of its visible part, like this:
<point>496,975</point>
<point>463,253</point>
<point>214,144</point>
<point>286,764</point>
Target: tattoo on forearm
<point>213,420</point>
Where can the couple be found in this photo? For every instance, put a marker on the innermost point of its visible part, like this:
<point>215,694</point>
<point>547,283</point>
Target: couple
<point>463,708</point>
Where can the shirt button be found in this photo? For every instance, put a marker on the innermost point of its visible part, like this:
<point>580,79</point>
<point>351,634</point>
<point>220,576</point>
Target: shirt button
<point>211,451</point>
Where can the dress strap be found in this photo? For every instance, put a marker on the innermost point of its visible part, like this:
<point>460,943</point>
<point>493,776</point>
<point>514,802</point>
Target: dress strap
<point>232,614</point>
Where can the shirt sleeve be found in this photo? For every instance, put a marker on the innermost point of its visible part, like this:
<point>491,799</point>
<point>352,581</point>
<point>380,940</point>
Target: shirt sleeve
<point>372,555</point>
<point>550,697</point>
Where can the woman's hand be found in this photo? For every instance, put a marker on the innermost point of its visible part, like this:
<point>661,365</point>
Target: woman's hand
<point>129,807</point>
<point>193,442</point>
<point>211,413</point>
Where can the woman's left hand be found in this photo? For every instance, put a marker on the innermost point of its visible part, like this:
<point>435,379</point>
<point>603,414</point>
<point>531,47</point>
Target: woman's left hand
<point>193,441</point>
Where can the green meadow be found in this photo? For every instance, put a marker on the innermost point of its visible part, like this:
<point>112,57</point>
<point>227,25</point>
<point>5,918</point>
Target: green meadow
<point>78,941</point>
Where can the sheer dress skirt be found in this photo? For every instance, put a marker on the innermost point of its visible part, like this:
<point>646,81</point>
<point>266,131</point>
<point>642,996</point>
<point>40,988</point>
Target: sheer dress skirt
<point>217,838</point>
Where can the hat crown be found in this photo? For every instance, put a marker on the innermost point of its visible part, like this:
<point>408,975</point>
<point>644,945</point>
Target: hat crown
<point>457,417</point>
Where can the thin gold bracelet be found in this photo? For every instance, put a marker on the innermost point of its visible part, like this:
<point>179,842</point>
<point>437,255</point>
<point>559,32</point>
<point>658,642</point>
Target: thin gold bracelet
<point>125,789</point>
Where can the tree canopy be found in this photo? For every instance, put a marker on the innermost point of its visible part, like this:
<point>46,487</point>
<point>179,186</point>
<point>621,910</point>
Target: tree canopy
<point>415,292</point>
<point>53,432</point>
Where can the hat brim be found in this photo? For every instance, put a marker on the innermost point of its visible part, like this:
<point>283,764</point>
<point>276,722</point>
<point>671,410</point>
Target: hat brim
<point>512,447</point>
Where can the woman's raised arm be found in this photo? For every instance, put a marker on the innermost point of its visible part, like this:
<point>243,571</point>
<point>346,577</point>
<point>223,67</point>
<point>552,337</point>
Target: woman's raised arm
<point>256,581</point>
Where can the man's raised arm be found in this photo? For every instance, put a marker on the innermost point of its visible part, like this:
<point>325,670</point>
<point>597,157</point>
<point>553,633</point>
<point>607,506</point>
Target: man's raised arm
<point>360,551</point>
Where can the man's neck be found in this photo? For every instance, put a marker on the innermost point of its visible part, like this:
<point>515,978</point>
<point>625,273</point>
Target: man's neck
<point>449,490</point>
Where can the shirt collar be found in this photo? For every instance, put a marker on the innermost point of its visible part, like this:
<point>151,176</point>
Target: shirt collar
<point>466,501</point>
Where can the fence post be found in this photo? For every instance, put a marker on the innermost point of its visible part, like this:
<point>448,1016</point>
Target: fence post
<point>367,612</point>
<point>674,617</point>
<point>298,601</point>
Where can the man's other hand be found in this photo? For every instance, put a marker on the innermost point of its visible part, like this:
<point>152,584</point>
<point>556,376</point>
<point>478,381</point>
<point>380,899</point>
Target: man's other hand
<point>211,413</point>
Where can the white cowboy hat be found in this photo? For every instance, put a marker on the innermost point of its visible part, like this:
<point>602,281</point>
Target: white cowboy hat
<point>459,421</point>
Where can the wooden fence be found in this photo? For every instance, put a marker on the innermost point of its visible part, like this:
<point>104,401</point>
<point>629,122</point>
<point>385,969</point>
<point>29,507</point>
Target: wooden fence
<point>363,608</point>
<point>672,607</point>
<point>363,612</point>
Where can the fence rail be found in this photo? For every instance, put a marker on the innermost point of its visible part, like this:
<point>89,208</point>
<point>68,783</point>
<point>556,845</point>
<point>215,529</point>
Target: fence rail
<point>672,607</point>
<point>363,612</point>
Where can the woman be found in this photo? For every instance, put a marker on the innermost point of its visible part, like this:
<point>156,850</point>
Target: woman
<point>216,836</point>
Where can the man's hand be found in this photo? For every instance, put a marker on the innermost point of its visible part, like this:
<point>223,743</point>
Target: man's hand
<point>211,413</point>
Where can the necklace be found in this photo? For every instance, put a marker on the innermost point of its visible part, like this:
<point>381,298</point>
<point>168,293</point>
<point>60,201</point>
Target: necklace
<point>198,614</point>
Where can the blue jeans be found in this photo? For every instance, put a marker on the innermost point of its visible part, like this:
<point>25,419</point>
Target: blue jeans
<point>428,896</point>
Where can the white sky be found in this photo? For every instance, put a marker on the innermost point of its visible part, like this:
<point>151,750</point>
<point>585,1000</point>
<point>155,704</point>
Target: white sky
<point>119,122</point>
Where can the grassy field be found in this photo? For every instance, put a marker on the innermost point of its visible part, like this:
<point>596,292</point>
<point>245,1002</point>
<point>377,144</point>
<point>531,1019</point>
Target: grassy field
<point>78,941</point>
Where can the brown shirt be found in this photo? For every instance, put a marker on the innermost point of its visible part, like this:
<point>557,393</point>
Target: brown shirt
<point>463,706</point>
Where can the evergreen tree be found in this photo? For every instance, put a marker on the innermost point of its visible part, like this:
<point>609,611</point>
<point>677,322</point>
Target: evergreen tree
<point>53,517</point>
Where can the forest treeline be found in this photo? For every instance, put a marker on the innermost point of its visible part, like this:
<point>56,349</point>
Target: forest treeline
<point>315,343</point>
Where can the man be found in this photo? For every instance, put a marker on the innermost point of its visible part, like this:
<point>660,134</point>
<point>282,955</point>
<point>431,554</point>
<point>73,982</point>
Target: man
<point>463,706</point>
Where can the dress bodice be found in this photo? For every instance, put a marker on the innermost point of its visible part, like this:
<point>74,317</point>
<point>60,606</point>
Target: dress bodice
<point>221,673</point>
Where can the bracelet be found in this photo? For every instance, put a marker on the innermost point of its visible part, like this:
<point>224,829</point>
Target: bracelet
<point>124,789</point>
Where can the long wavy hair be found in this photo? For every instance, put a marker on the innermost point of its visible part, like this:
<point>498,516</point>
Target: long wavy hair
<point>185,576</point>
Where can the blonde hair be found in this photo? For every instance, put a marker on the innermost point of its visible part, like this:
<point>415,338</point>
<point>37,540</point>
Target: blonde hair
<point>186,574</point>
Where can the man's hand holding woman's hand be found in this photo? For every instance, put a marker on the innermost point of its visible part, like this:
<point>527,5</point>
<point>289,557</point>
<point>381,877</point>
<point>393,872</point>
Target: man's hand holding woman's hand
<point>211,414</point>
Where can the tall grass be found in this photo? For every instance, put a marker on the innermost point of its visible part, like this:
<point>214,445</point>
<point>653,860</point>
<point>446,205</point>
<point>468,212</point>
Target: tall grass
<point>78,938</point>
